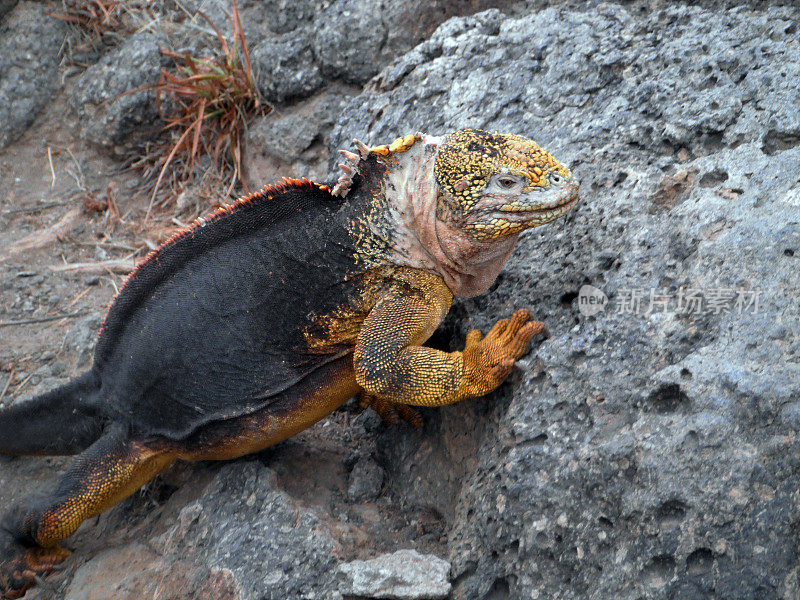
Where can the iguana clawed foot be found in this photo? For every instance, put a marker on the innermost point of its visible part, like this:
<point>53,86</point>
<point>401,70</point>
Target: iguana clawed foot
<point>489,360</point>
<point>391,412</point>
<point>23,567</point>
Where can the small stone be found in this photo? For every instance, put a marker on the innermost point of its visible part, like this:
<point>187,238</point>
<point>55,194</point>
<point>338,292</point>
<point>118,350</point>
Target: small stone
<point>100,253</point>
<point>366,481</point>
<point>92,280</point>
<point>403,575</point>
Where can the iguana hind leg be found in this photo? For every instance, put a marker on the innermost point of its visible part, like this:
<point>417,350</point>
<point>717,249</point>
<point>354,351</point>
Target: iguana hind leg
<point>391,412</point>
<point>107,472</point>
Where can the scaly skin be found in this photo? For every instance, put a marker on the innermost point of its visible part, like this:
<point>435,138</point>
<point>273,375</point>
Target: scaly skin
<point>266,316</point>
<point>391,363</point>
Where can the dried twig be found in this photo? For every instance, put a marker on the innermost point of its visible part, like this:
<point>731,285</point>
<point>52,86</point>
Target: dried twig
<point>21,385</point>
<point>119,266</point>
<point>79,296</point>
<point>39,239</point>
<point>36,209</point>
<point>52,171</point>
<point>8,383</point>
<point>80,313</point>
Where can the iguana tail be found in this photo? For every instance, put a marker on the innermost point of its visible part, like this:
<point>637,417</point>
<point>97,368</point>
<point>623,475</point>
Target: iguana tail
<point>65,420</point>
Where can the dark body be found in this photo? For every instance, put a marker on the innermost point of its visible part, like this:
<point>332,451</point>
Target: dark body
<point>224,335</point>
<point>216,347</point>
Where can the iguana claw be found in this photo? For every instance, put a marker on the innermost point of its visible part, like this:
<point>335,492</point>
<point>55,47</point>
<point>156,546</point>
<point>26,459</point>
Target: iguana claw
<point>23,567</point>
<point>391,412</point>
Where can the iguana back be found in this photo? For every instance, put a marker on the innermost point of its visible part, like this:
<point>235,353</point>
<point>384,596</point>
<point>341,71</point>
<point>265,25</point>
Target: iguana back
<point>211,326</point>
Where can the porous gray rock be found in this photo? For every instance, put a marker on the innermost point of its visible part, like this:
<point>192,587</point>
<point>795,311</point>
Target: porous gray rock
<point>649,450</point>
<point>298,46</point>
<point>366,480</point>
<point>286,136</point>
<point>292,141</point>
<point>29,44</point>
<point>281,16</point>
<point>402,575</point>
<point>6,6</point>
<point>245,525</point>
<point>348,37</point>
<point>109,114</point>
<point>285,68</point>
<point>410,22</point>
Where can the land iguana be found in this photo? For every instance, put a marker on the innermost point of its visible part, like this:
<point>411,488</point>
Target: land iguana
<point>265,316</point>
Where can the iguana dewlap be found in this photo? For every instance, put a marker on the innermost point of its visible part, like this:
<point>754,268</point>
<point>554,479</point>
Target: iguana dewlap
<point>265,316</point>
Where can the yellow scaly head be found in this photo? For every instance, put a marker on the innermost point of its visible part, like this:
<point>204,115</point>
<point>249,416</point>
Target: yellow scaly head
<point>497,184</point>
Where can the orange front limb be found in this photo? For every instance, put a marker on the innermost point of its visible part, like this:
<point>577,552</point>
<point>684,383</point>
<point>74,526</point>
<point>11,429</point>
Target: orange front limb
<point>391,363</point>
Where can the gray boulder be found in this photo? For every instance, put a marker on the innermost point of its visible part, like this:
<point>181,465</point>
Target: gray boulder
<point>292,141</point>
<point>279,16</point>
<point>244,525</point>
<point>348,37</point>
<point>285,68</point>
<point>366,481</point>
<point>108,114</point>
<point>29,44</point>
<point>296,46</point>
<point>649,450</point>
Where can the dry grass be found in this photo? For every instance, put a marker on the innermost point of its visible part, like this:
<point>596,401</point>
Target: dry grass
<point>206,102</point>
<point>100,20</point>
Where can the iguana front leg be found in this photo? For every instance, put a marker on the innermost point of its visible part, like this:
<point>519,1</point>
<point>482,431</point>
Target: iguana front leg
<point>391,363</point>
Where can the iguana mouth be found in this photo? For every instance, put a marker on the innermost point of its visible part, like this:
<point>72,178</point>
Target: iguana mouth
<point>520,212</point>
<point>567,204</point>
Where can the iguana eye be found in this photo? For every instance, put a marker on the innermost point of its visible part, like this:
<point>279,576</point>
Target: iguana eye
<point>506,182</point>
<point>556,178</point>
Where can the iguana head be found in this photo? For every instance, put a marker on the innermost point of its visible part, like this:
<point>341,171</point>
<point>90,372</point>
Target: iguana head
<point>454,204</point>
<point>496,184</point>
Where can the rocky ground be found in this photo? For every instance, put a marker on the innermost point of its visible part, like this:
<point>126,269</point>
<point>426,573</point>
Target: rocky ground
<point>649,450</point>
